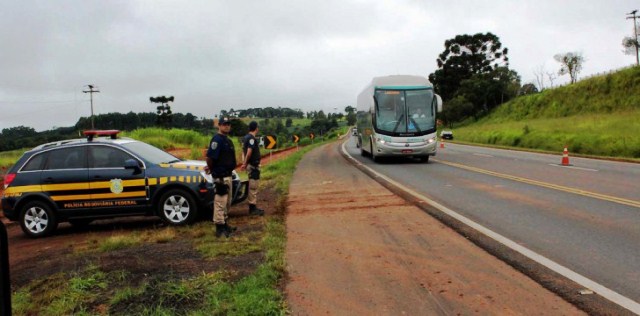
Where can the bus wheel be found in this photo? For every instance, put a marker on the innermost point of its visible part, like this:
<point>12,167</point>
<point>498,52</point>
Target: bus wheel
<point>373,155</point>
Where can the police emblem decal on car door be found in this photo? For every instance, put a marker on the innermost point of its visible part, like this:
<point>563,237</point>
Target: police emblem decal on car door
<point>116,186</point>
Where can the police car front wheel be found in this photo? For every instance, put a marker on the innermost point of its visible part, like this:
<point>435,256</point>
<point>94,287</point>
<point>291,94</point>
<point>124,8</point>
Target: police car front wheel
<point>37,219</point>
<point>177,207</point>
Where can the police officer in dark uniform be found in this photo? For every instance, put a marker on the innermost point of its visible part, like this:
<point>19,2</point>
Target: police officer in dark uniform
<point>221,160</point>
<point>251,162</point>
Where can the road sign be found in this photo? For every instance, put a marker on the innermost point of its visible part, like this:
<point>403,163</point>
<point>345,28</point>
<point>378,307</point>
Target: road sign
<point>269,142</point>
<point>312,136</point>
<point>295,138</point>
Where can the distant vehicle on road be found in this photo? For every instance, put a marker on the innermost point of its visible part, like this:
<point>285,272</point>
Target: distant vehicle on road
<point>446,135</point>
<point>355,131</point>
<point>397,118</point>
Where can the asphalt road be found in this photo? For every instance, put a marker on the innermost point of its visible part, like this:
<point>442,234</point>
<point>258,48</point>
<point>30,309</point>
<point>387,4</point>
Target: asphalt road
<point>585,217</point>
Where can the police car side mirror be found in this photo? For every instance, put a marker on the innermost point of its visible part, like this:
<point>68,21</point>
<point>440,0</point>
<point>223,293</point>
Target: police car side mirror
<point>132,164</point>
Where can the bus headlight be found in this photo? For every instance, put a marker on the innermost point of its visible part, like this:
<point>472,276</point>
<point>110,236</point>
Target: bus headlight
<point>380,140</point>
<point>431,140</point>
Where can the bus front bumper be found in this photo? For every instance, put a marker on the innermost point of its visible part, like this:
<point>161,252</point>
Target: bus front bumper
<point>389,149</point>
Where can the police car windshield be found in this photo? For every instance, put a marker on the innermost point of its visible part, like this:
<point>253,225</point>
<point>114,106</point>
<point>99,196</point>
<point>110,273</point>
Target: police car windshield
<point>150,153</point>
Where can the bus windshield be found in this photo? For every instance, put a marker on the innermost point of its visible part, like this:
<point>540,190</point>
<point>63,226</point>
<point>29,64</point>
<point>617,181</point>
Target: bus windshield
<point>400,112</point>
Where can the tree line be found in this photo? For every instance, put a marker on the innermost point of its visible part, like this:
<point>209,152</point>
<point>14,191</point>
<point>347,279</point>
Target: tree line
<point>277,122</point>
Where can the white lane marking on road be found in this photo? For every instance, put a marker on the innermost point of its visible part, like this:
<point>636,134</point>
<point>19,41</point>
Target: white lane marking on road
<point>483,155</point>
<point>572,167</point>
<point>605,292</point>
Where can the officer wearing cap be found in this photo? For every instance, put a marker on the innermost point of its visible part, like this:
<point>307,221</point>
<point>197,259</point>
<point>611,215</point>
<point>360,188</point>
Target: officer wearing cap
<point>251,162</point>
<point>221,160</point>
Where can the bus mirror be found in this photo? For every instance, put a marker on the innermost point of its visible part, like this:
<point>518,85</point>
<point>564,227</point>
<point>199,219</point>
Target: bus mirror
<point>438,103</point>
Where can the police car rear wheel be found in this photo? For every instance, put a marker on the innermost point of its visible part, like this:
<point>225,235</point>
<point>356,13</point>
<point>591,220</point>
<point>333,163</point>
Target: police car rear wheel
<point>177,207</point>
<point>37,219</point>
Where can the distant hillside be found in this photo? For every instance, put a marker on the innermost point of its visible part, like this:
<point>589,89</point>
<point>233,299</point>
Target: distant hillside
<point>596,116</point>
<point>615,92</point>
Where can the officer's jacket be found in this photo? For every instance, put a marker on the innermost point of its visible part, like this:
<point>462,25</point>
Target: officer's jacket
<point>222,154</point>
<point>249,141</point>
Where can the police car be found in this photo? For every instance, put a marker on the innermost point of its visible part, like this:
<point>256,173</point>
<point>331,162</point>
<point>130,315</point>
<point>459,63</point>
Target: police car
<point>80,180</point>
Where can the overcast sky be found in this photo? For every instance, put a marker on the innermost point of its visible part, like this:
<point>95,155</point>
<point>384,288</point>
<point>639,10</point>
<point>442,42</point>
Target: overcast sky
<point>311,55</point>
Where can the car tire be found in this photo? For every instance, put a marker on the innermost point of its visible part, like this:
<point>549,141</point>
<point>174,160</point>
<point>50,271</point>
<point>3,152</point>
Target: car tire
<point>177,207</point>
<point>37,219</point>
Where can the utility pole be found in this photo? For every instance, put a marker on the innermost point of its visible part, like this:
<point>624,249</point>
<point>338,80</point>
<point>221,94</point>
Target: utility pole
<point>635,31</point>
<point>91,92</point>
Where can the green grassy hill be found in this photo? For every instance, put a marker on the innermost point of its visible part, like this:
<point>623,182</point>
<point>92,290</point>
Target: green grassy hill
<point>598,116</point>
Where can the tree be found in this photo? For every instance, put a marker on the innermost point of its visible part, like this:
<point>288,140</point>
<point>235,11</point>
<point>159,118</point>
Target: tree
<point>570,63</point>
<point>163,110</point>
<point>349,109</point>
<point>239,128</point>
<point>457,109</point>
<point>630,43</point>
<point>351,118</point>
<point>552,77</point>
<point>288,122</point>
<point>465,56</point>
<point>539,73</point>
<point>528,88</point>
<point>488,90</point>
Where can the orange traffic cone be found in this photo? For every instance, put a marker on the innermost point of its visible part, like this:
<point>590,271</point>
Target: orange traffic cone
<point>441,143</point>
<point>565,157</point>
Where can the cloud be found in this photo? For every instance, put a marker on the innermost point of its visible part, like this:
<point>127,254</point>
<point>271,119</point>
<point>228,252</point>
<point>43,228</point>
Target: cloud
<point>213,55</point>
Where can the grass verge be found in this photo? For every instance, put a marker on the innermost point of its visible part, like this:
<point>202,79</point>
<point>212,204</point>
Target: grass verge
<point>611,135</point>
<point>220,288</point>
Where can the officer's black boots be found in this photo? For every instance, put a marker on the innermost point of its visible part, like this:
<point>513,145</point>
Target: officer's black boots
<point>230,229</point>
<point>220,229</point>
<point>254,210</point>
<point>225,229</point>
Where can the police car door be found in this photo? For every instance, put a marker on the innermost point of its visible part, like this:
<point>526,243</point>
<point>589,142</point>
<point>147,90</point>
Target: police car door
<point>64,178</point>
<point>116,189</point>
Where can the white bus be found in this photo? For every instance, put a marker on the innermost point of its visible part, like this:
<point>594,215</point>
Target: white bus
<point>397,118</point>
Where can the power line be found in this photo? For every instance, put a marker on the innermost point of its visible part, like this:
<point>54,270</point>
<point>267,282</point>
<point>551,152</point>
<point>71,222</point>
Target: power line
<point>635,30</point>
<point>91,92</point>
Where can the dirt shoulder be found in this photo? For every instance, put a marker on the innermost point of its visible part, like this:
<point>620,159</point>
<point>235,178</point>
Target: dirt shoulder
<point>354,247</point>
